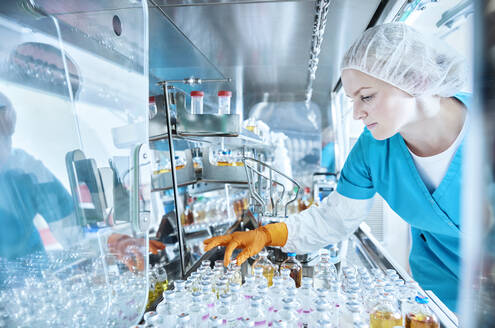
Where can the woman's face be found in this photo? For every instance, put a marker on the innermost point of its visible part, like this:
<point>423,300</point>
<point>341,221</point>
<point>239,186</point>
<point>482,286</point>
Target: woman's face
<point>383,108</point>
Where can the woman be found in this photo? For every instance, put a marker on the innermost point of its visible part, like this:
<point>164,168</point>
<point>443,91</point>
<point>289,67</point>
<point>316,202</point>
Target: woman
<point>406,92</point>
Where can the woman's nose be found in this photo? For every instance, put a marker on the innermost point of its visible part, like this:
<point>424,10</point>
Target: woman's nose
<point>358,113</point>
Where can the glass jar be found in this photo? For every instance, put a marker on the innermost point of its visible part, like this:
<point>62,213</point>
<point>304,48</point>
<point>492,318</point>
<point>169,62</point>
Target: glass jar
<point>295,268</point>
<point>268,269</point>
<point>197,102</point>
<point>224,102</point>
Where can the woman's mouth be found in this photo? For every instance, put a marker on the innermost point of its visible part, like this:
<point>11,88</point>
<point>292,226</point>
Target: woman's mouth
<point>371,125</point>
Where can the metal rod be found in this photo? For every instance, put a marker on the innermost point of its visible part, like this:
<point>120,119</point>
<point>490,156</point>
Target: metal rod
<point>174,182</point>
<point>193,80</point>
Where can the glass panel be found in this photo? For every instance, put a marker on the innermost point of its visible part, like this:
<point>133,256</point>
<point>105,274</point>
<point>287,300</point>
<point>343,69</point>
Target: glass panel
<point>74,166</point>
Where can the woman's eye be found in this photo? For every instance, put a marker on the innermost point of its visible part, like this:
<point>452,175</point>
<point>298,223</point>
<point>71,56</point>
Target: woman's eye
<point>366,98</point>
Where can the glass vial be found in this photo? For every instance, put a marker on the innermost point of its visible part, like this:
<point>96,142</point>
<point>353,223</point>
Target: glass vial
<point>224,102</point>
<point>197,102</point>
<point>295,268</point>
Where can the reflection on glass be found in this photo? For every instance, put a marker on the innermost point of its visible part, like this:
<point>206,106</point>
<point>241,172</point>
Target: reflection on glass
<point>71,251</point>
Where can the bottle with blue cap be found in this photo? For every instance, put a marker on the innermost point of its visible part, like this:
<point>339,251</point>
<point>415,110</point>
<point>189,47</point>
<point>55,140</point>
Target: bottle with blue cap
<point>295,268</point>
<point>420,315</point>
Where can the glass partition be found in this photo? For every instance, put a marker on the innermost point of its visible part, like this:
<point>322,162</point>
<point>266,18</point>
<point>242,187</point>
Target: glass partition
<point>74,164</point>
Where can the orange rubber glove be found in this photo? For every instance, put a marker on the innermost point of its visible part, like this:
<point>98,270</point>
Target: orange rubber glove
<point>252,241</point>
<point>127,250</point>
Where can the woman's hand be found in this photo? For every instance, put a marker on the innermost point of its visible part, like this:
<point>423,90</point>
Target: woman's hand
<point>252,242</point>
<point>129,250</point>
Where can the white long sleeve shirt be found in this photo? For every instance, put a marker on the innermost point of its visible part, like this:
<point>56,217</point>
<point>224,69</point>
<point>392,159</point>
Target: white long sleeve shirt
<point>332,221</point>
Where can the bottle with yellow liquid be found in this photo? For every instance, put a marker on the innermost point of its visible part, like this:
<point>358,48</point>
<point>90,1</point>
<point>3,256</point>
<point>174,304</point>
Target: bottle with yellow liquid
<point>225,158</point>
<point>420,315</point>
<point>152,287</point>
<point>267,266</point>
<point>386,313</point>
<point>161,283</point>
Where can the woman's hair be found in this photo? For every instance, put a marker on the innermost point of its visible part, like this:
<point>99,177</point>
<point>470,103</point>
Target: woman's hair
<point>407,59</point>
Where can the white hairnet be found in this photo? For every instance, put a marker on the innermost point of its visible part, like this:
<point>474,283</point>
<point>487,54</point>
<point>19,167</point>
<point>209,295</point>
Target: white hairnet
<point>403,57</point>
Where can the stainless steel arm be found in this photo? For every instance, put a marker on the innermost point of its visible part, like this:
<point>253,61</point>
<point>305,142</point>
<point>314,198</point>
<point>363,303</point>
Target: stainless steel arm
<point>250,170</point>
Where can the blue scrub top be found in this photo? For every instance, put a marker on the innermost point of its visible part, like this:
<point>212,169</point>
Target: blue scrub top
<point>387,167</point>
<point>28,188</point>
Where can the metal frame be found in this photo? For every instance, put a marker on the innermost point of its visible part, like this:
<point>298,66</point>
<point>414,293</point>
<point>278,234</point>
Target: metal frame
<point>166,86</point>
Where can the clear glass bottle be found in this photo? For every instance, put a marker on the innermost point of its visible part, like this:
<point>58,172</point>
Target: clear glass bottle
<point>168,308</point>
<point>420,316</point>
<point>184,321</point>
<point>256,312</point>
<point>215,322</point>
<point>224,102</point>
<point>323,310</point>
<point>279,324</point>
<point>198,310</point>
<point>276,294</point>
<point>209,298</point>
<point>306,296</point>
<point>236,273</point>
<point>197,102</point>
<point>248,290</point>
<point>148,316</point>
<point>324,265</point>
<point>353,313</point>
<point>266,300</point>
<point>221,288</point>
<point>268,269</point>
<point>289,313</point>
<point>247,322</point>
<point>285,275</point>
<point>295,268</point>
<point>238,302</point>
<point>226,312</point>
<point>386,313</point>
<point>258,275</point>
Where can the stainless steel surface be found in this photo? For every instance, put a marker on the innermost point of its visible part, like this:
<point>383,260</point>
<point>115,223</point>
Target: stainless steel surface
<point>264,46</point>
